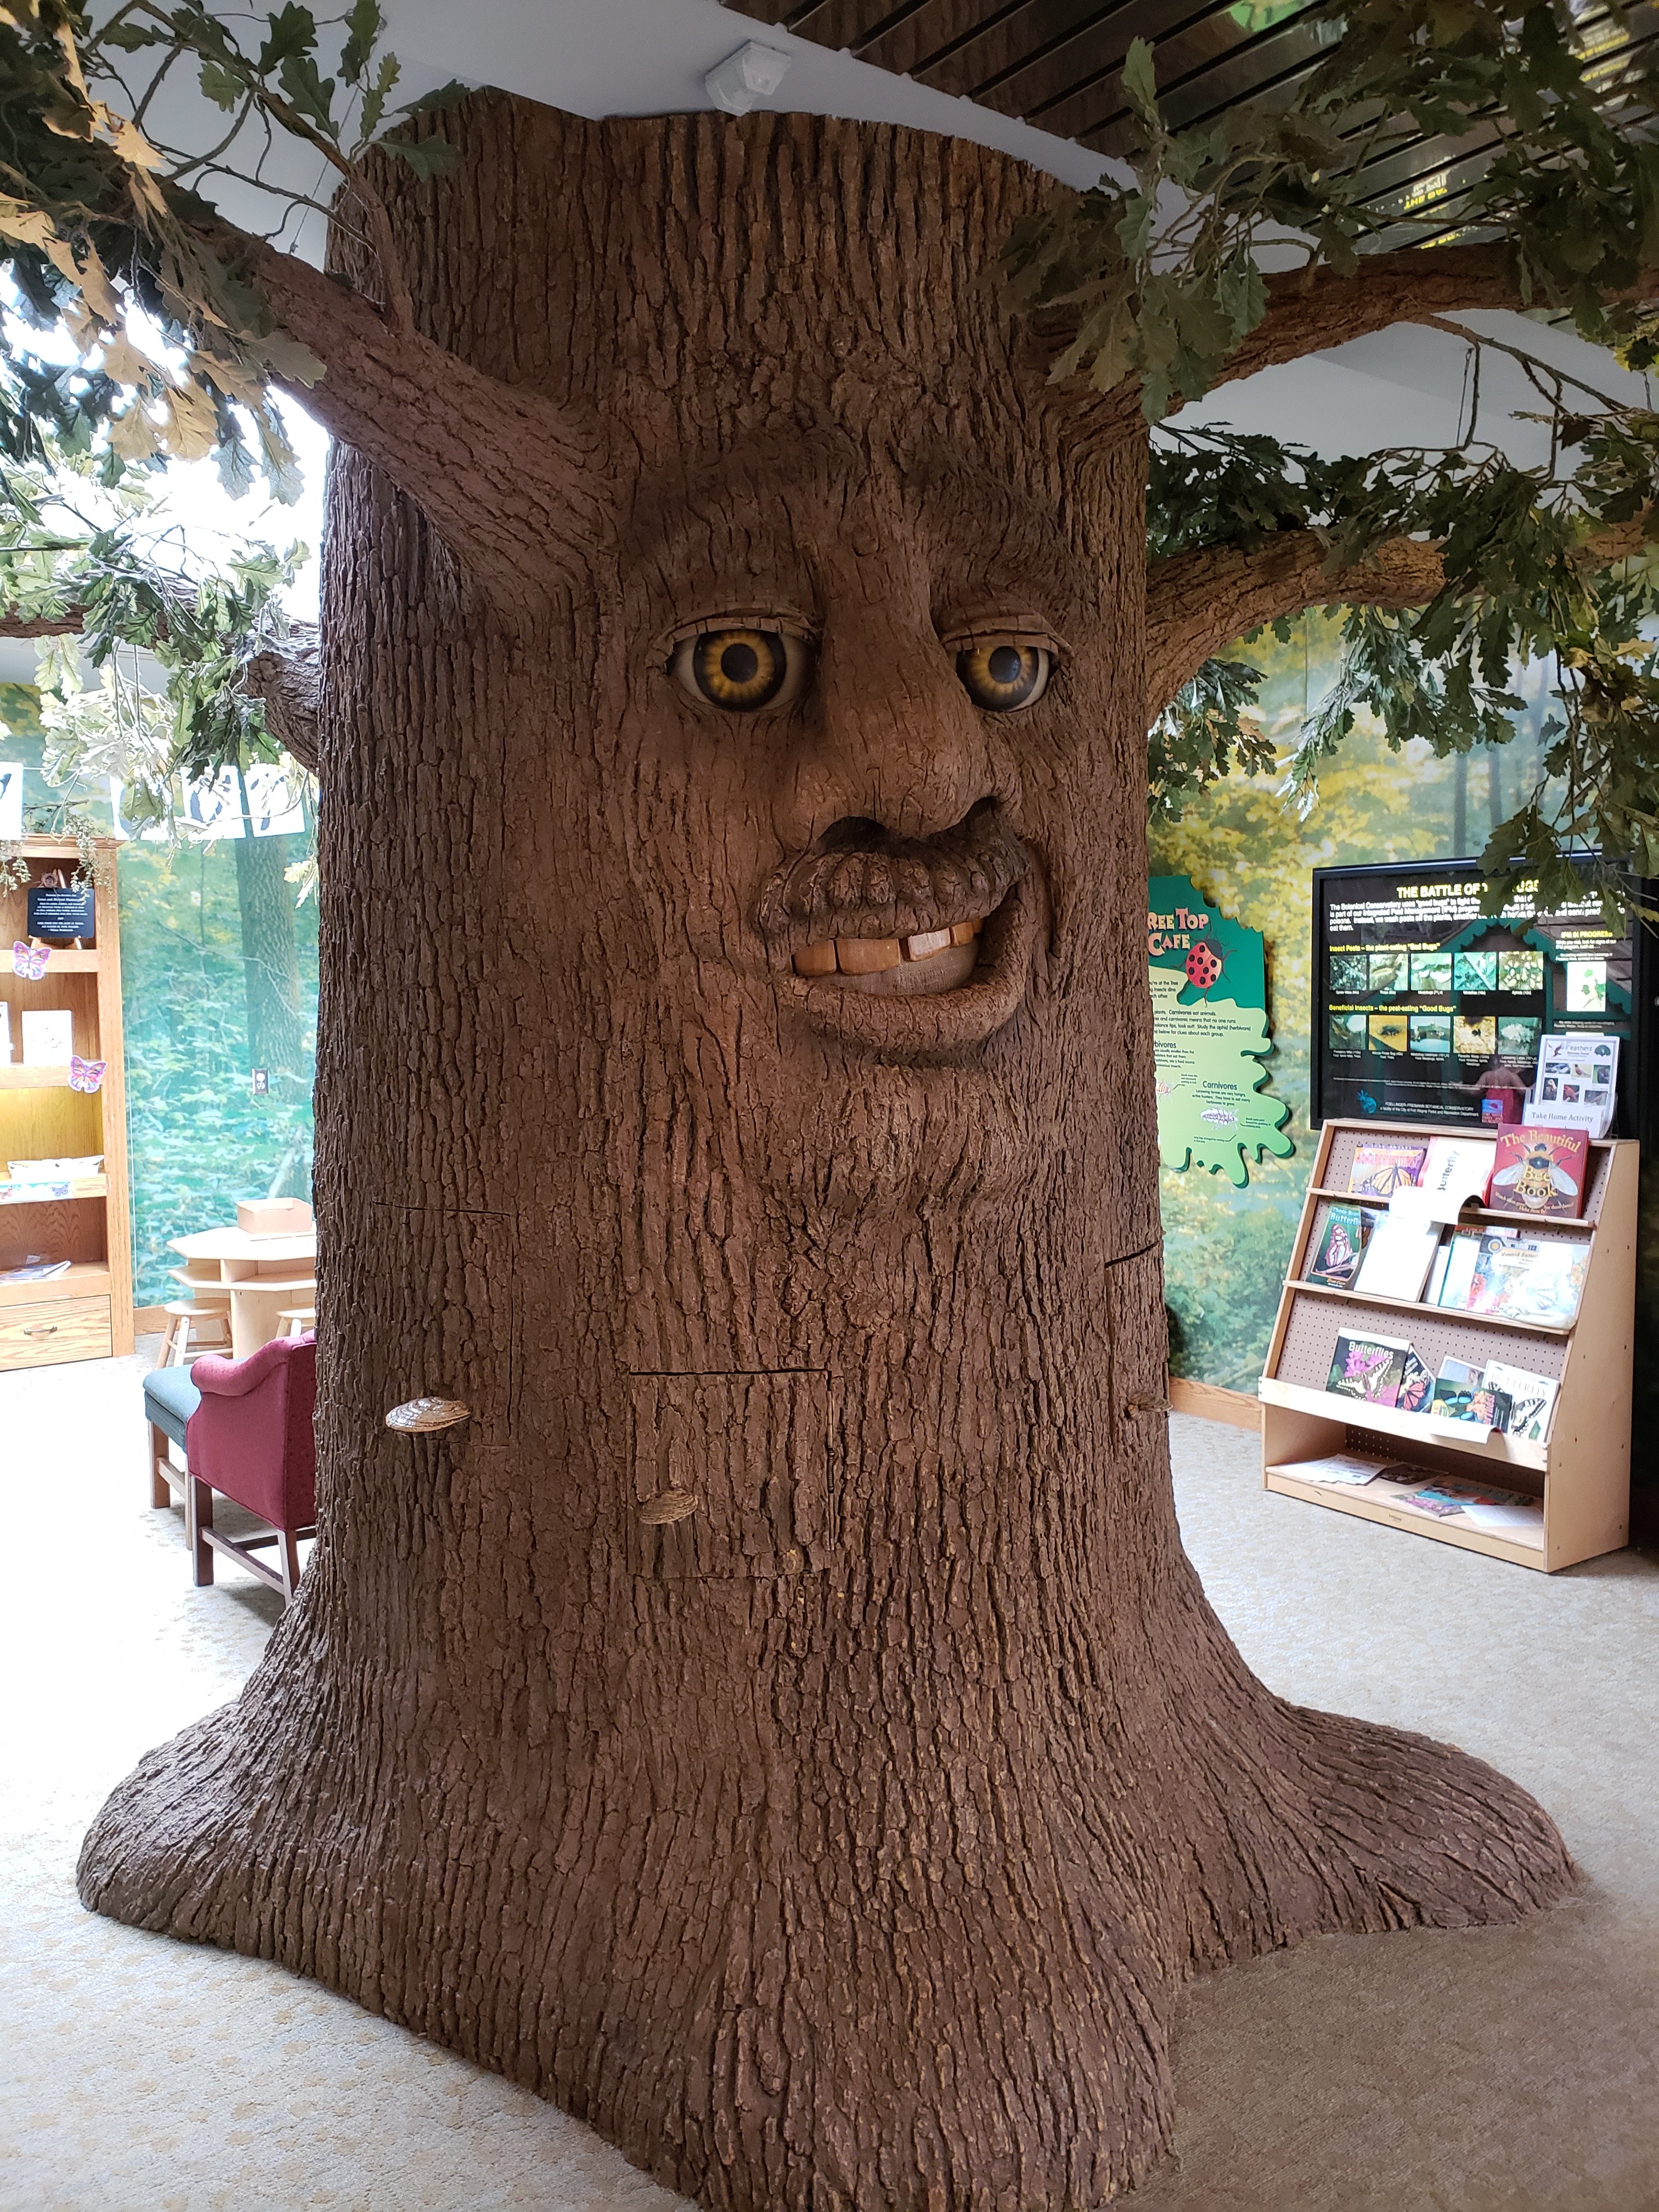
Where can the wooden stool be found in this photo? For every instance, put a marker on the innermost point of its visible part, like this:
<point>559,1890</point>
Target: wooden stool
<point>209,1325</point>
<point>297,1319</point>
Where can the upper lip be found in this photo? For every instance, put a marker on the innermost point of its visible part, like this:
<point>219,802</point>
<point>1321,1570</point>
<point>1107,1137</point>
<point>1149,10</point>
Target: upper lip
<point>858,881</point>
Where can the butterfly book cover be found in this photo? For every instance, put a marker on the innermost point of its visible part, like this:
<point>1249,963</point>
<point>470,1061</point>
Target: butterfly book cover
<point>1529,1280</point>
<point>1541,1171</point>
<point>1369,1368</point>
<point>1379,1170</point>
<point>1339,1247</point>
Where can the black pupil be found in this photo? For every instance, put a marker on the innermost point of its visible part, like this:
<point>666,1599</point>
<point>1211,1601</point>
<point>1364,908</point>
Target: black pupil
<point>1006,664</point>
<point>738,663</point>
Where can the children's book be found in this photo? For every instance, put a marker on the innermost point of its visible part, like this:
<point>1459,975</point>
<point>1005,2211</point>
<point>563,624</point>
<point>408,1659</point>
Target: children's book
<point>1436,1282</point>
<point>1541,1172</point>
<point>1532,1398</point>
<point>1379,1170</point>
<point>1530,1279</point>
<point>1369,1368</point>
<point>1416,1386</point>
<point>1462,1394</point>
<point>1462,1251</point>
<point>1338,1248</point>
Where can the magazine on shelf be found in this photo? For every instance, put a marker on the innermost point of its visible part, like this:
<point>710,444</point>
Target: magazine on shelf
<point>1541,1171</point>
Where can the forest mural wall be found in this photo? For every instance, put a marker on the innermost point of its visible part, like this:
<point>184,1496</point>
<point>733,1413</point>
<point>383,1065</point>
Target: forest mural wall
<point>1226,1249</point>
<point>218,980</point>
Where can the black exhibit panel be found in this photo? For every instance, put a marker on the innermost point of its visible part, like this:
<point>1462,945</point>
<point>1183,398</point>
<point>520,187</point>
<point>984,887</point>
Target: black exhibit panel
<point>1423,1003</point>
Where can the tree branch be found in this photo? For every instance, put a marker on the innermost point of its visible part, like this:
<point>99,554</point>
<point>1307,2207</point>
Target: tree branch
<point>286,679</point>
<point>1200,602</point>
<point>514,485</point>
<point>1413,284</point>
<point>63,625</point>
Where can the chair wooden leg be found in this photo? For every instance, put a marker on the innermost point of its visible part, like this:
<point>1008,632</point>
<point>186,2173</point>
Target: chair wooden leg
<point>288,1556</point>
<point>198,1518</point>
<point>160,1490</point>
<point>177,1344</point>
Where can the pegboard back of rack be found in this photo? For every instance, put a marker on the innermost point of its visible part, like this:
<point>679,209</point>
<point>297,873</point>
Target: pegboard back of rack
<point>1315,1324</point>
<point>1345,1142</point>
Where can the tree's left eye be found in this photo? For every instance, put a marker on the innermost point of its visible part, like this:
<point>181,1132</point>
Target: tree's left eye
<point>741,669</point>
<point>1004,674</point>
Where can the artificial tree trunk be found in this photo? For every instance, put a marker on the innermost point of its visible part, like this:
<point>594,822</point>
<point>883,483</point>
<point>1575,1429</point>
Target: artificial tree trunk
<point>782,1726</point>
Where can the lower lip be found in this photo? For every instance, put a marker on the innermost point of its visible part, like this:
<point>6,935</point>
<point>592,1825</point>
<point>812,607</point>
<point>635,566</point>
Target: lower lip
<point>902,1017</point>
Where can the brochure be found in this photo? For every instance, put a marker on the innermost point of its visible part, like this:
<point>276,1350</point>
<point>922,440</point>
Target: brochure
<point>1456,1170</point>
<point>1398,1258</point>
<point>1347,1470</point>
<point>1576,1085</point>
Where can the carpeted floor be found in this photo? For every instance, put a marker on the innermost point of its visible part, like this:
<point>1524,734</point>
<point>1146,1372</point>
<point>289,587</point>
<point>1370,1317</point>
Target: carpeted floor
<point>1515,2070</point>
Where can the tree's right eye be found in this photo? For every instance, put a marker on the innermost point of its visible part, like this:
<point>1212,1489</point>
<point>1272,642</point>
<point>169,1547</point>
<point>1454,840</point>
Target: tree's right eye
<point>741,668</point>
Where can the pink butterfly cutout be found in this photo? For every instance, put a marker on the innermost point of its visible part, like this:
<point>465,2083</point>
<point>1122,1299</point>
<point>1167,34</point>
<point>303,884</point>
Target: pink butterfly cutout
<point>29,961</point>
<point>86,1074</point>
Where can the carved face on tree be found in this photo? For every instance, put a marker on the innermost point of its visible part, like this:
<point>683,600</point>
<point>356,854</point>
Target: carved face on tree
<point>869,675</point>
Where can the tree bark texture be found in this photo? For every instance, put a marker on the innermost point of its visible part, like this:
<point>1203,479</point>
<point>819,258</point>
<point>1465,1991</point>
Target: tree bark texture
<point>841,1838</point>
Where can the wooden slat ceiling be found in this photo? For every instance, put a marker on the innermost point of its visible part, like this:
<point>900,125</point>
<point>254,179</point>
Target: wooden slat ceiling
<point>1058,64</point>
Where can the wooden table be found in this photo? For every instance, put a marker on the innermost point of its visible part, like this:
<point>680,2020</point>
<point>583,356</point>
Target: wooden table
<point>255,1276</point>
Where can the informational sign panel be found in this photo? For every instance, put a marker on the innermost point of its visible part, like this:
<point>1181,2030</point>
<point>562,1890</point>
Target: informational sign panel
<point>1209,984</point>
<point>1422,1003</point>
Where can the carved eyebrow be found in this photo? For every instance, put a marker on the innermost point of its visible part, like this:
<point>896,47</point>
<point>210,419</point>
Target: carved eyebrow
<point>716,495</point>
<point>1016,537</point>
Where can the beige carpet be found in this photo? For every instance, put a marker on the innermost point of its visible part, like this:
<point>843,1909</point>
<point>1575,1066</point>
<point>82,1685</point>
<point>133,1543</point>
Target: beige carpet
<point>1419,2074</point>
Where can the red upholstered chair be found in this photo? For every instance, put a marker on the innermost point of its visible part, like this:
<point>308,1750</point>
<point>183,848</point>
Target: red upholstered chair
<point>250,1439</point>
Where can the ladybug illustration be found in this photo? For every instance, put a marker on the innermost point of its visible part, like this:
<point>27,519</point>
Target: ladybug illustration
<point>1203,966</point>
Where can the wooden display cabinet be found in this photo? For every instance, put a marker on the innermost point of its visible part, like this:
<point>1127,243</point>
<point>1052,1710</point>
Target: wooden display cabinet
<point>88,1313</point>
<point>1581,1471</point>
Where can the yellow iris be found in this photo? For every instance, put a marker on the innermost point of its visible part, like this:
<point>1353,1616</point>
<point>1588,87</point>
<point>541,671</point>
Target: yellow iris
<point>1004,674</point>
<point>738,669</point>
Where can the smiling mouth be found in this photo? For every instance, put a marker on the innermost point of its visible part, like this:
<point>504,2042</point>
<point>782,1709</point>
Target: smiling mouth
<point>928,960</point>
<point>907,946</point>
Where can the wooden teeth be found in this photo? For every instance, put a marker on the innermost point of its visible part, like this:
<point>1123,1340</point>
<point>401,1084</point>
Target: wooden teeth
<point>874,956</point>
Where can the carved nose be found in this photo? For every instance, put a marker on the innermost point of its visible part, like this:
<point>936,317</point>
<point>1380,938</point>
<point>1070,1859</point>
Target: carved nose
<point>894,740</point>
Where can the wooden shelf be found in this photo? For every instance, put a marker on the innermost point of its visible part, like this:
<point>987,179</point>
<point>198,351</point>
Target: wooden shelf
<point>68,961</point>
<point>50,1193</point>
<point>1441,1312</point>
<point>1356,1502</point>
<point>37,1079</point>
<point>1470,1213</point>
<point>1492,1450</point>
<point>86,1279</point>
<point>42,1116</point>
<point>1581,1468</point>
